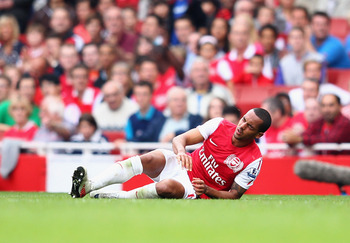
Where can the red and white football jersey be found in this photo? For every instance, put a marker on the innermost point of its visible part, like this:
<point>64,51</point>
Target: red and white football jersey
<point>219,163</point>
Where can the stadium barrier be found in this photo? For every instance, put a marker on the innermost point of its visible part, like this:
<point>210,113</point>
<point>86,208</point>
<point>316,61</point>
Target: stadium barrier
<point>51,172</point>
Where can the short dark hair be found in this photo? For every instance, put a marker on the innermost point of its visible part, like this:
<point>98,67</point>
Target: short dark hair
<point>24,76</point>
<point>265,116</point>
<point>304,9</point>
<point>88,118</point>
<point>160,22</point>
<point>269,27</point>
<point>275,104</point>
<point>185,17</point>
<point>321,14</point>
<point>283,95</point>
<point>143,83</point>
<point>232,110</point>
<point>48,77</point>
<point>79,66</point>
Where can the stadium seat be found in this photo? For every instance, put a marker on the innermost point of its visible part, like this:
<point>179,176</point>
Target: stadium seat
<point>112,136</point>
<point>339,77</point>
<point>339,28</point>
<point>248,97</point>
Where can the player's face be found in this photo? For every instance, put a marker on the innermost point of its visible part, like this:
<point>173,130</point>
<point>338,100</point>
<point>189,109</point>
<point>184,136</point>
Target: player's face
<point>248,127</point>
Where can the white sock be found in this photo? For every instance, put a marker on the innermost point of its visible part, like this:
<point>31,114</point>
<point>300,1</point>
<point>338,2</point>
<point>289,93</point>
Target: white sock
<point>117,173</point>
<point>148,191</point>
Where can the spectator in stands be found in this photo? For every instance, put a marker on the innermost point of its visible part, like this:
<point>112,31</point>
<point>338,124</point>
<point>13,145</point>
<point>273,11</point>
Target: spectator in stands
<point>241,37</point>
<point>44,14</point>
<point>103,5</point>
<point>219,29</point>
<point>300,18</point>
<point>114,112</point>
<point>303,119</point>
<point>83,96</point>
<point>183,27</point>
<point>280,122</point>
<point>265,16</point>
<point>312,89</point>
<point>284,14</point>
<point>178,120</point>
<point>20,9</point>
<point>61,23</point>
<point>94,27</point>
<point>284,97</point>
<point>11,47</point>
<point>83,9</point>
<point>215,108</point>
<point>244,7</point>
<point>268,35</point>
<point>88,131</point>
<point>333,127</point>
<point>147,114</point>
<point>90,57</point>
<point>315,70</point>
<point>53,44</point>
<point>121,72</point>
<point>26,89</point>
<point>116,35</point>
<point>253,73</point>
<point>232,114</point>
<point>131,23</point>
<point>108,56</point>
<point>296,59</point>
<point>149,71</point>
<point>35,67</point>
<point>152,29</point>
<point>14,74</point>
<point>24,129</point>
<point>5,88</point>
<point>68,58</point>
<point>309,89</point>
<point>327,45</point>
<point>53,128</point>
<point>203,90</point>
<point>35,42</point>
<point>208,49</point>
<point>50,85</point>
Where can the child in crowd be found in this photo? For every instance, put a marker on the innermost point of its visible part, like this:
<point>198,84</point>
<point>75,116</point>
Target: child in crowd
<point>88,131</point>
<point>252,74</point>
<point>35,44</point>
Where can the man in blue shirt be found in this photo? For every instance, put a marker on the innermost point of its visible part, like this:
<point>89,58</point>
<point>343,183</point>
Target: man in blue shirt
<point>328,45</point>
<point>139,122</point>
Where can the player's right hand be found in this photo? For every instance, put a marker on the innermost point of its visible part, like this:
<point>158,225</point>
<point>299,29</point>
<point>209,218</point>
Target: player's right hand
<point>184,160</point>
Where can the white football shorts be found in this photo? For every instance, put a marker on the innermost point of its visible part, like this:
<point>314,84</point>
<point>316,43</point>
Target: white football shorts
<point>173,170</point>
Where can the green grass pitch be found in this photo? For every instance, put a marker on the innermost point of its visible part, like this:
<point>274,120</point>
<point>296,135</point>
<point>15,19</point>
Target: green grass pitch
<point>48,217</point>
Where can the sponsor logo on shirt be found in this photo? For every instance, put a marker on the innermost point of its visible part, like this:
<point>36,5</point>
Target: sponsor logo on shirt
<point>210,166</point>
<point>234,163</point>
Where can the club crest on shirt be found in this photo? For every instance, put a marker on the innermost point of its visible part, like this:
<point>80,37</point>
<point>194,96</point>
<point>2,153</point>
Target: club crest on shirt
<point>234,163</point>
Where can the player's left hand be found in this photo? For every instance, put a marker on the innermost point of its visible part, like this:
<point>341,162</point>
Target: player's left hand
<point>199,186</point>
<point>185,160</point>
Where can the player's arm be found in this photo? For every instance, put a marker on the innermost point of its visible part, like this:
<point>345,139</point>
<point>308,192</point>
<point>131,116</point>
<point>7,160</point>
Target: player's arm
<point>180,142</point>
<point>200,187</point>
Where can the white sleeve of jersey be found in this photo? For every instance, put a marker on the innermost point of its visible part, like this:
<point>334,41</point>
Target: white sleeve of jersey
<point>247,176</point>
<point>209,127</point>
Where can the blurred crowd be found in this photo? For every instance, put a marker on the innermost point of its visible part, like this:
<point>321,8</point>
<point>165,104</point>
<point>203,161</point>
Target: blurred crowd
<point>152,69</point>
